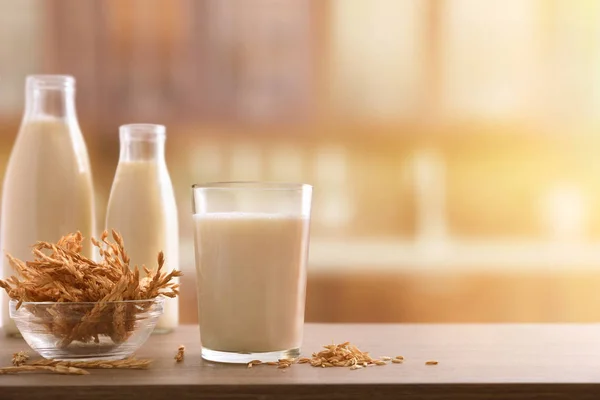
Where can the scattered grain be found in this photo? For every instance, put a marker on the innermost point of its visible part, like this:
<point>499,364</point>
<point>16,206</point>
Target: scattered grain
<point>20,358</point>
<point>344,355</point>
<point>431,362</point>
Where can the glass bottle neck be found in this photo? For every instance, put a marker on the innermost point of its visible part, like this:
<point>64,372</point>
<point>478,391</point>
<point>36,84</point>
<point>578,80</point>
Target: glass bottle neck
<point>142,142</point>
<point>50,96</point>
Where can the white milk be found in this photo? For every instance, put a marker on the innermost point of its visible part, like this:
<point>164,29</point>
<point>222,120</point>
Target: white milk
<point>47,193</point>
<point>251,280</point>
<point>142,209</point>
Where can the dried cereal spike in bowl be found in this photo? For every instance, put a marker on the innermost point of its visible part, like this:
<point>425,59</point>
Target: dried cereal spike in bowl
<point>68,306</point>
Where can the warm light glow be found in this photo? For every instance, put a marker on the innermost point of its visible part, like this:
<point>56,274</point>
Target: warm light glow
<point>565,212</point>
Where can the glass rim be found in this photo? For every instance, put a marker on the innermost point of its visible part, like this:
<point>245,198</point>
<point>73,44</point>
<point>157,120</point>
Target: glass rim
<point>251,185</point>
<point>158,299</point>
<point>37,82</point>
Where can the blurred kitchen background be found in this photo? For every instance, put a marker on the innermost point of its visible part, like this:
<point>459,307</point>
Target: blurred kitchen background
<point>453,144</point>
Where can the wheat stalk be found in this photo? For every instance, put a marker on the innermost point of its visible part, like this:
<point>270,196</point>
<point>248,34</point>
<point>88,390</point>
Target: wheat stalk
<point>41,368</point>
<point>128,363</point>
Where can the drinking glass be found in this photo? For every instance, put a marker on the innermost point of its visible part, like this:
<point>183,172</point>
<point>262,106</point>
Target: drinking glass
<point>251,248</point>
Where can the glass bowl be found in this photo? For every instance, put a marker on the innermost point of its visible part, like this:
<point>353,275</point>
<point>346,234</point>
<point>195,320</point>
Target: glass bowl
<point>86,331</point>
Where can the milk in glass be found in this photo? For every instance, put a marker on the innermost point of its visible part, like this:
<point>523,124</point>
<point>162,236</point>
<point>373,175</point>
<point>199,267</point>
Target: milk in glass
<point>251,276</point>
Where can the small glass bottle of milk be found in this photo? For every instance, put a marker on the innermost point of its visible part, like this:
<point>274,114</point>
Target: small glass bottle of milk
<point>47,190</point>
<point>142,207</point>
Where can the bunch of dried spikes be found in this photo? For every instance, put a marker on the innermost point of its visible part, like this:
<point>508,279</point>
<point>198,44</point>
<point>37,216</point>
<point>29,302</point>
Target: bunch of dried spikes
<point>59,273</point>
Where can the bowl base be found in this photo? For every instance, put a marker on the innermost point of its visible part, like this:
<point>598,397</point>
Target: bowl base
<point>87,359</point>
<point>161,331</point>
<point>84,353</point>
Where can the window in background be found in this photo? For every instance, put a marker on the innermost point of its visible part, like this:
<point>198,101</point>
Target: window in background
<point>490,58</point>
<point>206,163</point>
<point>429,176</point>
<point>375,58</point>
<point>573,59</point>
<point>564,210</point>
<point>334,204</point>
<point>245,162</point>
<point>286,163</point>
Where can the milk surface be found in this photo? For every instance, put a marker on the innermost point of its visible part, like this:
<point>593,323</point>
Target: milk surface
<point>47,193</point>
<point>142,209</point>
<point>251,271</point>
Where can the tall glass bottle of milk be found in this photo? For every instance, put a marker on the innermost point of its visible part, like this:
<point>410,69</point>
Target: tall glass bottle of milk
<point>142,205</point>
<point>48,189</point>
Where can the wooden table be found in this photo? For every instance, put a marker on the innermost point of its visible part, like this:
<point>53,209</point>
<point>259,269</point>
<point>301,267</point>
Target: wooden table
<point>475,361</point>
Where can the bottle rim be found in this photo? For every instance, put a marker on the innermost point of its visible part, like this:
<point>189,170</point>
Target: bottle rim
<point>142,132</point>
<point>56,82</point>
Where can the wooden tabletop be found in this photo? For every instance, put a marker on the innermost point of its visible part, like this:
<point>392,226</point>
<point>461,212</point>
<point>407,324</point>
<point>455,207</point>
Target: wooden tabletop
<point>475,361</point>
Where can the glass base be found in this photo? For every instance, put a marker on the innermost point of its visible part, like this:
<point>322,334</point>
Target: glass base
<point>244,358</point>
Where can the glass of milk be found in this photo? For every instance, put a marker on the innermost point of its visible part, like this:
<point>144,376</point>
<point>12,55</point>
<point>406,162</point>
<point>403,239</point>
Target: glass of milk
<point>251,244</point>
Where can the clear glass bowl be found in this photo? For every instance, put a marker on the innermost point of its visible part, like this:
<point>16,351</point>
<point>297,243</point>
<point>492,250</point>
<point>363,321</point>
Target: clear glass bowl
<point>86,331</point>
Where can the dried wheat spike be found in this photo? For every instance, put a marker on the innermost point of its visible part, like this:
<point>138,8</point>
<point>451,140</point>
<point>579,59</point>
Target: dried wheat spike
<point>180,353</point>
